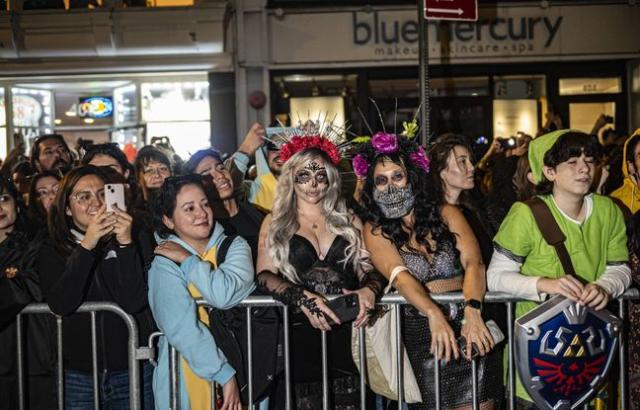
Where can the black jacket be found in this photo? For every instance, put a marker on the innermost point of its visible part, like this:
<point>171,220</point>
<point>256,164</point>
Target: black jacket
<point>20,286</point>
<point>108,273</point>
<point>503,194</point>
<point>246,224</point>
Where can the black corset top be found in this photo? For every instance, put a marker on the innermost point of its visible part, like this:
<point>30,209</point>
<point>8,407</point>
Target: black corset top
<point>326,276</point>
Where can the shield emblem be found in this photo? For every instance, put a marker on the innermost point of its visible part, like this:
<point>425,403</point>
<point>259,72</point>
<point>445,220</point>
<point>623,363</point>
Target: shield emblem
<point>564,352</point>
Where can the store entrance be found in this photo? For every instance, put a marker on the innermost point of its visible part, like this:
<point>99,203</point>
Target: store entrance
<point>582,101</point>
<point>128,109</point>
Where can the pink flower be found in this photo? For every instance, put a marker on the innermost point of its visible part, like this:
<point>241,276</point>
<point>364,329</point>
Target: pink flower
<point>360,166</point>
<point>420,159</point>
<point>385,143</point>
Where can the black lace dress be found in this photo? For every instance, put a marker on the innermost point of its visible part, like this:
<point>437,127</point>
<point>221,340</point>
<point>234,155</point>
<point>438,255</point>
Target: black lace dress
<point>326,276</point>
<point>455,377</point>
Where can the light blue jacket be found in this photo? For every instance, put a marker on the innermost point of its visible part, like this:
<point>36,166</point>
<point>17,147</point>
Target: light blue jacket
<point>175,310</point>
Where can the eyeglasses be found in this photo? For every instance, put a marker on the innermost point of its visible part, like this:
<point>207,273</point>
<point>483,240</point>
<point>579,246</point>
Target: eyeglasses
<point>84,197</point>
<point>161,170</point>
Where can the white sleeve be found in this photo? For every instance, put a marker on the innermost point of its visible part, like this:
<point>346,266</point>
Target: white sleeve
<point>615,279</point>
<point>503,275</point>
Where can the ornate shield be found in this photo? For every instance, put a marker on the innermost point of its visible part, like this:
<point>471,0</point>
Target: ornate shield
<point>564,351</point>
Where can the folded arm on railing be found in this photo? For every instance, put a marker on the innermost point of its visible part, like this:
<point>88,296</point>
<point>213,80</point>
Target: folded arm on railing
<point>174,310</point>
<point>230,282</point>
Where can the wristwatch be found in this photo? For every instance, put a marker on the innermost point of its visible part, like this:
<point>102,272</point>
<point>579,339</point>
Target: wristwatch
<point>473,303</point>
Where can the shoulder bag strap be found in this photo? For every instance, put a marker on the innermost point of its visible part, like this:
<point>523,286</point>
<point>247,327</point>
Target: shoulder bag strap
<point>224,248</point>
<point>551,232</point>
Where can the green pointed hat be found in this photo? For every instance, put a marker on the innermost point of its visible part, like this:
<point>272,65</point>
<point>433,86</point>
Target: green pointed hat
<point>538,147</point>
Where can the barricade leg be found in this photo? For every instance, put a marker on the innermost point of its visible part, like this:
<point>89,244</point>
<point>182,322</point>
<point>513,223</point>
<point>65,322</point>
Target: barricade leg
<point>325,372</point>
<point>94,362</point>
<point>174,379</point>
<point>250,357</point>
<point>436,375</point>
<point>287,358</point>
<point>400,356</point>
<point>60,364</point>
<point>362,354</point>
<point>511,356</point>
<point>622,312</point>
<point>474,384</point>
<point>20,362</point>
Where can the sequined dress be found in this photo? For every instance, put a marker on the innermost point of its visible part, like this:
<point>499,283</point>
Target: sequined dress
<point>440,274</point>
<point>326,276</point>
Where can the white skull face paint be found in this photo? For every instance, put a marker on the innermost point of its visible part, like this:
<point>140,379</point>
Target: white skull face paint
<point>311,181</point>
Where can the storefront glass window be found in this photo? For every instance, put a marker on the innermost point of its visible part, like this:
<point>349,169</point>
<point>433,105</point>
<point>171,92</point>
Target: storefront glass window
<point>179,111</point>
<point>513,116</point>
<point>583,115</point>
<point>32,113</point>
<point>439,87</point>
<point>124,101</point>
<point>517,103</point>
<point>585,86</point>
<point>322,109</point>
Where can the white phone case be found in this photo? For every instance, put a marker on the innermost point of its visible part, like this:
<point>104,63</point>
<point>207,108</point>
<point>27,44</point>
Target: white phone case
<point>114,194</point>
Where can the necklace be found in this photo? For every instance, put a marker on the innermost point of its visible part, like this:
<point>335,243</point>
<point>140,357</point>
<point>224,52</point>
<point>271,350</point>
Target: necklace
<point>314,223</point>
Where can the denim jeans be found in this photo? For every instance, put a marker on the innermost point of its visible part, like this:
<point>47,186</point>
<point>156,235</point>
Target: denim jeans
<point>113,389</point>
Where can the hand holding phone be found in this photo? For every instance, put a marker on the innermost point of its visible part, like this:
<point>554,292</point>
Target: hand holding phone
<point>346,307</point>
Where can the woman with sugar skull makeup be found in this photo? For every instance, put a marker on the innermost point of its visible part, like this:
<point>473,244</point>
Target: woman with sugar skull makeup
<point>311,246</point>
<point>425,247</point>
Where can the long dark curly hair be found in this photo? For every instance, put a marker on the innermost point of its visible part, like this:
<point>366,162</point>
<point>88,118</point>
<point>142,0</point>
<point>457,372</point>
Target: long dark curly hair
<point>428,222</point>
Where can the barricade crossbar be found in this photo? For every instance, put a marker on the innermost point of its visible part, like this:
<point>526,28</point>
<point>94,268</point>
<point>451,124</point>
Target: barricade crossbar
<point>138,352</point>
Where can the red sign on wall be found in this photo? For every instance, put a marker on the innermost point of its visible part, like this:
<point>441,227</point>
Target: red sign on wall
<point>466,10</point>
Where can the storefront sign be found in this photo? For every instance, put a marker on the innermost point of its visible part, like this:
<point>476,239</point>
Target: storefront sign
<point>508,34</point>
<point>451,10</point>
<point>95,107</point>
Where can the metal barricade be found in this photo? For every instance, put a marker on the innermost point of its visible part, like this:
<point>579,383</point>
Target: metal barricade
<point>397,301</point>
<point>138,353</point>
<point>134,353</point>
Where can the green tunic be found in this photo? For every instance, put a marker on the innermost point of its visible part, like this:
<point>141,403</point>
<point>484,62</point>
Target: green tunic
<point>600,241</point>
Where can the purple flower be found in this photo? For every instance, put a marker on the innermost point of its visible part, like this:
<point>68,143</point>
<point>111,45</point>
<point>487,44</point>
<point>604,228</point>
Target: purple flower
<point>360,165</point>
<point>385,143</point>
<point>420,159</point>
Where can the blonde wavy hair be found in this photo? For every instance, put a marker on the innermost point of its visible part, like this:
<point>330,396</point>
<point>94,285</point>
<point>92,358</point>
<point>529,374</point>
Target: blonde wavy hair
<point>284,216</point>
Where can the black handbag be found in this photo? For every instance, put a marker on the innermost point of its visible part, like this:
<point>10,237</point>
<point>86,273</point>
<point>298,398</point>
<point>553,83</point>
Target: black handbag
<point>229,329</point>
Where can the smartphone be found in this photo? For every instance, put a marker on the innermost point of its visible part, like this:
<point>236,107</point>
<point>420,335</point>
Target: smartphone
<point>346,307</point>
<point>496,335</point>
<point>114,194</point>
<point>508,143</point>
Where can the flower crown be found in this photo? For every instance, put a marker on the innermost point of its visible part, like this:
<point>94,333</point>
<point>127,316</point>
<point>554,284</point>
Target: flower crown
<point>312,134</point>
<point>384,143</point>
<point>299,143</point>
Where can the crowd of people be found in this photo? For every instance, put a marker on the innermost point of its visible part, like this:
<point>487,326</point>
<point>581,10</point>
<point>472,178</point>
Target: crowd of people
<point>426,220</point>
